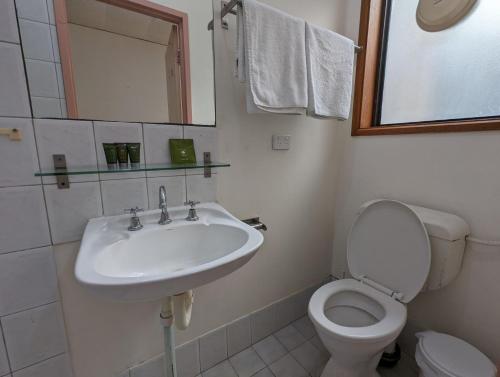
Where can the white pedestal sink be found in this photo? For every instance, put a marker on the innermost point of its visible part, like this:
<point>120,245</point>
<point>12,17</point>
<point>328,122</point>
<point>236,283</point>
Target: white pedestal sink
<point>162,260</point>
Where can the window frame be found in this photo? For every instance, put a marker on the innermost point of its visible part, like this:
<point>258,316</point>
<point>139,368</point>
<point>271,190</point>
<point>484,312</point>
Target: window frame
<point>371,35</point>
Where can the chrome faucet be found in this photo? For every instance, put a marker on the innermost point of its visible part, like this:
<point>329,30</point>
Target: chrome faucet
<point>164,217</point>
<point>192,215</point>
<point>135,222</point>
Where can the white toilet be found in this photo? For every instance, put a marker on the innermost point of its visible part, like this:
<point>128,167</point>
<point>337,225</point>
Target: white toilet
<point>443,355</point>
<point>389,256</point>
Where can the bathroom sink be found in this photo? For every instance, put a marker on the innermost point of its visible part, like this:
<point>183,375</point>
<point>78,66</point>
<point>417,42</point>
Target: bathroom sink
<point>162,260</point>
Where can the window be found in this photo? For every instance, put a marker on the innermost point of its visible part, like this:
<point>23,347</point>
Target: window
<point>409,80</point>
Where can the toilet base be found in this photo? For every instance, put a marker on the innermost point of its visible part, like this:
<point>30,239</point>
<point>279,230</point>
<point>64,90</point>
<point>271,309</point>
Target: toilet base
<point>335,369</point>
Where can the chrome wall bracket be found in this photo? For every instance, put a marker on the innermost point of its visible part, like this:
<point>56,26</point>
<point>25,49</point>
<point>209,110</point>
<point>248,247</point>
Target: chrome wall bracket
<point>60,168</point>
<point>207,159</point>
<point>255,223</point>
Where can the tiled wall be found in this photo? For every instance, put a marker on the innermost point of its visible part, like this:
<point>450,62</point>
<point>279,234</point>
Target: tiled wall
<point>216,346</point>
<point>41,54</point>
<point>34,213</point>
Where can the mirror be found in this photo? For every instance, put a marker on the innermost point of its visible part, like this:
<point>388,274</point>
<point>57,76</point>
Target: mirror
<point>136,60</point>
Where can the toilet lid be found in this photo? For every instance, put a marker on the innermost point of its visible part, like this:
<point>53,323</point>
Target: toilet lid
<point>454,356</point>
<point>389,245</point>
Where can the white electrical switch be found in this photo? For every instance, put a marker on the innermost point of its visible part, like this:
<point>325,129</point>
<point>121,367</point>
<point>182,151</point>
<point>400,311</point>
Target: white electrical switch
<point>281,142</point>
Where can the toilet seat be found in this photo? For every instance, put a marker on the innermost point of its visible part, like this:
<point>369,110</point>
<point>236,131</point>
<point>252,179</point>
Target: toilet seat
<point>388,248</point>
<point>391,323</point>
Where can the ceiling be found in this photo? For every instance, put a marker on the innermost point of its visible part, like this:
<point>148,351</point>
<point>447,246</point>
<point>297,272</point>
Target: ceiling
<point>102,16</point>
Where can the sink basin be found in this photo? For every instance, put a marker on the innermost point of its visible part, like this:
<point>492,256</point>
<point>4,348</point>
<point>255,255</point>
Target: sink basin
<point>162,260</point>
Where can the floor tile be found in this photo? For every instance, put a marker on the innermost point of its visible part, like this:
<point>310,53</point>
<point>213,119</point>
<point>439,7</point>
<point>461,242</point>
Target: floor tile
<point>308,356</point>
<point>318,343</point>
<point>270,350</point>
<point>223,369</point>
<point>264,373</point>
<point>247,363</point>
<point>290,337</point>
<point>305,327</point>
<point>287,366</point>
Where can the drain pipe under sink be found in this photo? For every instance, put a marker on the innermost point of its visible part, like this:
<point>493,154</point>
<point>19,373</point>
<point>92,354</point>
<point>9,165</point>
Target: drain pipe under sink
<point>174,309</point>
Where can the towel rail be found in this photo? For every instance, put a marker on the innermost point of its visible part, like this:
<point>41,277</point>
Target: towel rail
<point>228,8</point>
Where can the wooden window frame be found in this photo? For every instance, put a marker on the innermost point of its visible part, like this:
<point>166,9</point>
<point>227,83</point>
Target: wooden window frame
<point>140,6</point>
<point>370,37</point>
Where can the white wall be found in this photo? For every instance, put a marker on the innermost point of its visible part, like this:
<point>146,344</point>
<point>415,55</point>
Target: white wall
<point>457,173</point>
<point>292,191</point>
<point>118,77</point>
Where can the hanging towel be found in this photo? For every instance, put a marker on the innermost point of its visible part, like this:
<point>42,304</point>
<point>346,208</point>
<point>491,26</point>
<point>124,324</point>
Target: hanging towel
<point>330,63</point>
<point>272,59</point>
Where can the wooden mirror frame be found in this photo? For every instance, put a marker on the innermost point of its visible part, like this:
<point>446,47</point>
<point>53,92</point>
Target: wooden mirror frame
<point>140,6</point>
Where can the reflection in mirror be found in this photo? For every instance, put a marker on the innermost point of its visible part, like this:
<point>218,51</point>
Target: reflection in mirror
<point>137,61</point>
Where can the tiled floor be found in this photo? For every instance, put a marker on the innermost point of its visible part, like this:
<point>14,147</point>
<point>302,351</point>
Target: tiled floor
<point>294,351</point>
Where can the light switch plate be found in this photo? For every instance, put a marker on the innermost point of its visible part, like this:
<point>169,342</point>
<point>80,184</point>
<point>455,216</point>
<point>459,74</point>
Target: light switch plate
<point>281,142</point>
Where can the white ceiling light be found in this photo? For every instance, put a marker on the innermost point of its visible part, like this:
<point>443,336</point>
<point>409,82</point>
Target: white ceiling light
<point>437,15</point>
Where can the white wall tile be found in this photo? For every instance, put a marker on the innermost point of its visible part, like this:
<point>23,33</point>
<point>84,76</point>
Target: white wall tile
<point>60,80</point>
<point>150,368</point>
<point>50,9</point>
<point>205,140</point>
<point>34,335</point>
<point>124,193</point>
<point>64,111</point>
<point>239,335</point>
<point>8,22</point>
<point>263,323</point>
<point>42,78</point>
<point>202,189</point>
<point>37,41</point>
<point>13,90</point>
<point>18,159</point>
<point>188,359</point>
<point>157,148</point>
<point>55,43</point>
<point>117,132</point>
<point>75,139</point>
<point>4,364</point>
<point>23,224</point>
<point>58,366</point>
<point>35,10</point>
<point>46,107</point>
<point>27,279</point>
<point>70,209</point>
<point>174,186</point>
<point>213,348</point>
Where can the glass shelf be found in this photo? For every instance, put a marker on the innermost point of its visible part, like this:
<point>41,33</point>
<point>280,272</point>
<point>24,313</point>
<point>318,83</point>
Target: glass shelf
<point>140,167</point>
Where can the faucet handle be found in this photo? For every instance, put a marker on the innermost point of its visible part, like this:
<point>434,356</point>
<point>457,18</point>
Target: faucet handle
<point>133,211</point>
<point>191,203</point>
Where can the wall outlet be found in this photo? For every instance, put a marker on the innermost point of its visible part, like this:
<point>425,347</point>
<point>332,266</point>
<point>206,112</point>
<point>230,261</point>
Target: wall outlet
<point>281,142</point>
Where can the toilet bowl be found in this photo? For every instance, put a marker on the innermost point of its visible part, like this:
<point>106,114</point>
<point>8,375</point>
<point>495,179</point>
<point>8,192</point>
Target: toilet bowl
<point>389,258</point>
<point>355,323</point>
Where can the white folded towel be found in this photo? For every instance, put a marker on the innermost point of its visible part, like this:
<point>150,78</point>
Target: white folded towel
<point>272,59</point>
<point>330,63</point>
